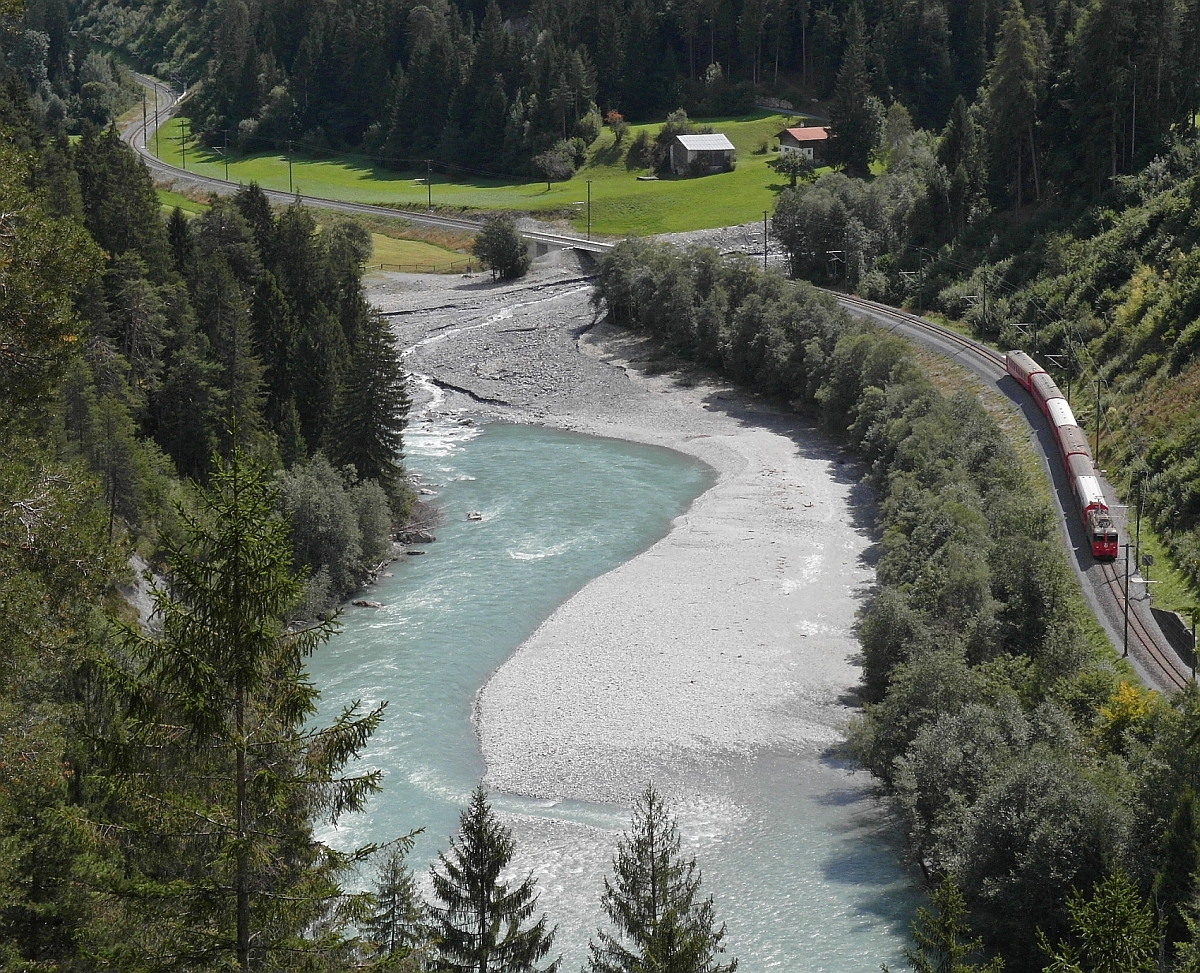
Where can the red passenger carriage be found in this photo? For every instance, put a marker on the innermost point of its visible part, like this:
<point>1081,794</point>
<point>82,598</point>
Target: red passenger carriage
<point>1073,451</point>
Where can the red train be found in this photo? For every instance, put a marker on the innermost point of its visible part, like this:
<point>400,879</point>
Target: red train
<point>1073,450</point>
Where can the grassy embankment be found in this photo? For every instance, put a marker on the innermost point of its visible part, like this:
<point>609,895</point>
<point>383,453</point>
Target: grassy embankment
<point>397,245</point>
<point>621,205</point>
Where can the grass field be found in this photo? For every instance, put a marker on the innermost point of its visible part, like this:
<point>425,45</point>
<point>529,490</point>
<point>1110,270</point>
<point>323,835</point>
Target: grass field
<point>621,205</point>
<point>417,255</point>
<point>394,247</point>
<point>169,200</point>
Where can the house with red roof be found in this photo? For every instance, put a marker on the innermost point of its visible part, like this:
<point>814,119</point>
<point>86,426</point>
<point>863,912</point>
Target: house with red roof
<point>808,142</point>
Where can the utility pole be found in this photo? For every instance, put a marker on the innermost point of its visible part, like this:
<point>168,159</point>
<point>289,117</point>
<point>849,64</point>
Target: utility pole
<point>143,117</point>
<point>589,185</point>
<point>428,186</point>
<point>226,154</point>
<point>1125,643</point>
<point>183,140</point>
<point>764,239</point>
<point>289,166</point>
<point>156,152</point>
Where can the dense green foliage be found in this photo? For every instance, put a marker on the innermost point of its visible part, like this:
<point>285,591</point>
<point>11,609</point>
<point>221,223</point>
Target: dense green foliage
<point>501,249</point>
<point>653,901</point>
<point>186,326</point>
<point>70,86</point>
<point>1020,761</point>
<point>160,783</point>
<point>1073,93</point>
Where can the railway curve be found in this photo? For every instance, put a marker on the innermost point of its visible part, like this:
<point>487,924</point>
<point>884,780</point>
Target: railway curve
<point>1104,584</point>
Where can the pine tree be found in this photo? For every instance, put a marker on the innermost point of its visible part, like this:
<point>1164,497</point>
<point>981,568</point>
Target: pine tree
<point>181,241</point>
<point>940,940</point>
<point>1012,98</point>
<point>398,926</point>
<point>856,116</point>
<point>1114,931</point>
<point>373,409</point>
<point>121,208</point>
<point>228,773</point>
<point>226,320</point>
<point>478,917</point>
<point>653,900</point>
<point>961,151</point>
<point>254,206</point>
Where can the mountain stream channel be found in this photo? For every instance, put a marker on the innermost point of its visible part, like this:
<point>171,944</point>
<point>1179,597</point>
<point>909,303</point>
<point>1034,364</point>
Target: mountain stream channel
<point>662,587</point>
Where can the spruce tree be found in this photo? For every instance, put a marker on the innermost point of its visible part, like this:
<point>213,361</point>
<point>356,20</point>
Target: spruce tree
<point>373,409</point>
<point>653,900</point>
<point>856,116</point>
<point>941,940</point>
<point>397,928</point>
<point>1012,100</point>
<point>227,773</point>
<point>181,241</point>
<point>478,917</point>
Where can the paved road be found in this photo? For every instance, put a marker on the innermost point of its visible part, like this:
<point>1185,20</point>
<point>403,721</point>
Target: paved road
<point>1151,655</point>
<point>166,101</point>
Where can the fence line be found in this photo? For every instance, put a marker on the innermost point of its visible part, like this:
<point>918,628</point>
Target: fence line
<point>470,267</point>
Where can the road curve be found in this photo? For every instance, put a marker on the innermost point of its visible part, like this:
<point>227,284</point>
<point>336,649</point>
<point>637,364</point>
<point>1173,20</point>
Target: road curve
<point>167,101</point>
<point>1104,585</point>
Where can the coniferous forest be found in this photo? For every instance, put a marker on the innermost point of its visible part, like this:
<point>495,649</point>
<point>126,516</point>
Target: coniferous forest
<point>211,392</point>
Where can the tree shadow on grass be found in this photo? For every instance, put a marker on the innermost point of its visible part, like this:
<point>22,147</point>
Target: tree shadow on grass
<point>610,155</point>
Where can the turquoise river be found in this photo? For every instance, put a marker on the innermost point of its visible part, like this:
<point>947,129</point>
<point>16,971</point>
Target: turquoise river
<point>807,878</point>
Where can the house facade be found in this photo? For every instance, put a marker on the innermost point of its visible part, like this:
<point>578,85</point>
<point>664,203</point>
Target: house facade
<point>808,142</point>
<point>706,153</point>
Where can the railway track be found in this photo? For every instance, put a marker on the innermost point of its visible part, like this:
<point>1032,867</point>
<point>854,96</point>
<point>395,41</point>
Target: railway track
<point>979,358</point>
<point>1144,639</point>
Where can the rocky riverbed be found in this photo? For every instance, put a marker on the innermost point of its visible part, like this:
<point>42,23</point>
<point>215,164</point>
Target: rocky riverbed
<point>732,635</point>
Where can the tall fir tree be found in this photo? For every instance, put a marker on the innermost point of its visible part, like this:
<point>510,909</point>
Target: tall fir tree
<point>942,941</point>
<point>856,116</point>
<point>229,773</point>
<point>397,929</point>
<point>372,412</point>
<point>653,900</point>
<point>1012,99</point>
<point>481,922</point>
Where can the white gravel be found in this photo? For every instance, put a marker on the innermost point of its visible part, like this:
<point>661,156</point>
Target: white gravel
<point>731,635</point>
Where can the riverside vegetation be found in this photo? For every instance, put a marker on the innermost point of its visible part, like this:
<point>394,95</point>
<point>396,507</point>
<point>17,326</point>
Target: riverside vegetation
<point>1032,775</point>
<point>1035,780</point>
<point>216,395</point>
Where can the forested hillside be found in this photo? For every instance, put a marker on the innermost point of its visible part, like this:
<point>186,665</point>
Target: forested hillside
<point>215,396</point>
<point>1038,786</point>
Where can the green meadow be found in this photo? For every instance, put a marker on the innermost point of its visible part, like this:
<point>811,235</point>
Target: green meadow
<point>621,204</point>
<point>391,253</point>
<point>392,249</point>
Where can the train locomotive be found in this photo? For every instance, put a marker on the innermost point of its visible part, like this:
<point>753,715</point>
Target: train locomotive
<point>1073,451</point>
